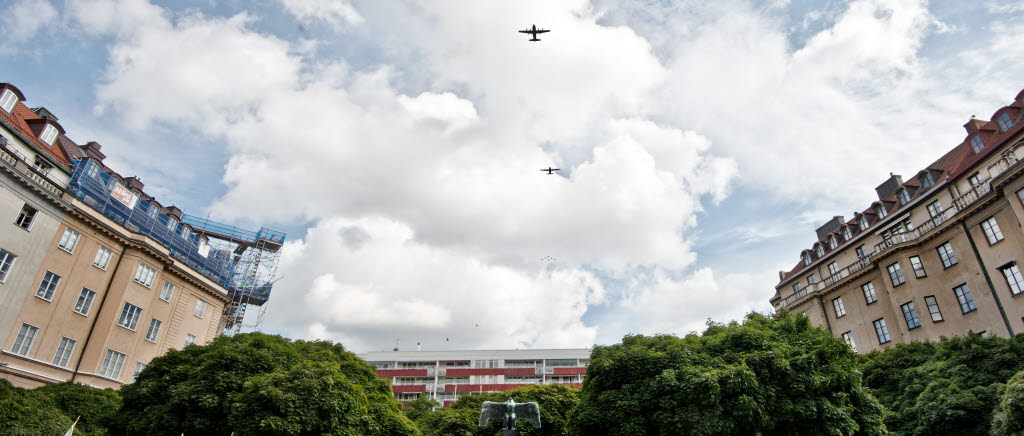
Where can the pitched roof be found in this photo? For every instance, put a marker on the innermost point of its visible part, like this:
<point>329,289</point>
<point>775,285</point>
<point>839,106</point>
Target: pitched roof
<point>19,117</point>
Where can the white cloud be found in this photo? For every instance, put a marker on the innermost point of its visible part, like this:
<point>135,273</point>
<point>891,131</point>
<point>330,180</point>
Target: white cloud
<point>337,13</point>
<point>22,20</point>
<point>445,107</point>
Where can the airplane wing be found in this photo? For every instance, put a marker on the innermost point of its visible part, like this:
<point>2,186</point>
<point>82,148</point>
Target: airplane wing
<point>491,411</point>
<point>543,31</point>
<point>529,412</point>
<point>525,31</point>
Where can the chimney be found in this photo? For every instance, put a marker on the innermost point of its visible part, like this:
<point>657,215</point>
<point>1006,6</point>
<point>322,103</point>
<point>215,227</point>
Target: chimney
<point>44,113</point>
<point>974,125</point>
<point>889,187</point>
<point>174,211</point>
<point>92,151</point>
<point>832,226</point>
<point>782,275</point>
<point>133,183</point>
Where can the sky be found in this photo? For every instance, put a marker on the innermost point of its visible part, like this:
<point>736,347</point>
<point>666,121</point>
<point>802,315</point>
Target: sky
<point>399,143</point>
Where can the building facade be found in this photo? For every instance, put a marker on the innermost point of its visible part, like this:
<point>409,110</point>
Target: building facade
<point>446,375</point>
<point>936,255</point>
<point>96,277</point>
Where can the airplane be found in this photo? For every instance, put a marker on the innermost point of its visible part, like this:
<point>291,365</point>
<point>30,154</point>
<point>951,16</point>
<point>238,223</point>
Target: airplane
<point>534,31</point>
<point>550,170</point>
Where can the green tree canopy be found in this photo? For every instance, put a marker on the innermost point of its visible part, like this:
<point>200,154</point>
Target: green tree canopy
<point>951,386</point>
<point>420,407</point>
<point>1009,417</point>
<point>94,408</point>
<point>195,390</point>
<point>29,413</point>
<point>771,374</point>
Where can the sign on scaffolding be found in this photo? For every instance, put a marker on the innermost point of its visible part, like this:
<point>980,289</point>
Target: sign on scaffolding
<point>123,195</point>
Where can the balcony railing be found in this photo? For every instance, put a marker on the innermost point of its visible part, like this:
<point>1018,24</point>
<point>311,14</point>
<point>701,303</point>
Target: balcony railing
<point>18,162</point>
<point>1007,160</point>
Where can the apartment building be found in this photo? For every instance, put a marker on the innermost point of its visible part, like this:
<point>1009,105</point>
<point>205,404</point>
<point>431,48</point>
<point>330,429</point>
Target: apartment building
<point>446,375</point>
<point>936,255</point>
<point>96,277</point>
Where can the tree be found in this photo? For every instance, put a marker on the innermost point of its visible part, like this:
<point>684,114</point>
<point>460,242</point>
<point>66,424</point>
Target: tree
<point>771,374</point>
<point>951,386</point>
<point>25,412</point>
<point>190,390</point>
<point>1009,417</point>
<point>462,418</point>
<point>420,407</point>
<point>95,408</point>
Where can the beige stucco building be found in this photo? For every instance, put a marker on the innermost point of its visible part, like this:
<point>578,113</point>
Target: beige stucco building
<point>936,255</point>
<point>85,295</point>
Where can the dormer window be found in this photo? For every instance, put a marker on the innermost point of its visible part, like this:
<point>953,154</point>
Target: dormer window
<point>7,100</point>
<point>976,144</point>
<point>1004,121</point>
<point>832,242</point>
<point>807,258</point>
<point>49,134</point>
<point>927,181</point>
<point>863,222</point>
<point>819,249</point>
<point>847,234</point>
<point>902,195</point>
<point>880,210</point>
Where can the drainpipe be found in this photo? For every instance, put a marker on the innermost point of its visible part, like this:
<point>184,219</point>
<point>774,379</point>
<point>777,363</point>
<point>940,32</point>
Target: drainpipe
<point>988,279</point>
<point>85,345</point>
<point>824,313</point>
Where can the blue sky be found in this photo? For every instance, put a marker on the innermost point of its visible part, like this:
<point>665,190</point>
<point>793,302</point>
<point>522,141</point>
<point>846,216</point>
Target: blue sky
<point>398,143</point>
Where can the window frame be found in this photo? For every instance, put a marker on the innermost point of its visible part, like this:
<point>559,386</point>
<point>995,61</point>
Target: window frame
<point>6,263</point>
<point>170,293</point>
<point>838,308</point>
<point>69,238</point>
<point>874,295</point>
<point>947,256</point>
<point>49,134</point>
<point>144,275</point>
<point>139,367</point>
<point>130,315</point>
<point>105,254</point>
<point>847,233</point>
<point>48,286</point>
<point>62,356</point>
<point>26,217</point>
<point>918,267</point>
<point>927,181</point>
<point>111,368</point>
<point>898,271</point>
<point>19,341</point>
<point>977,144</point>
<point>861,254</point>
<point>833,268</point>
<point>200,309</point>
<point>880,211</point>
<point>910,313</point>
<point>190,339</point>
<point>990,227</point>
<point>903,196</point>
<point>832,242</point>
<point>1005,121</point>
<point>880,328</point>
<point>933,303</point>
<point>848,338</point>
<point>8,99</point>
<point>84,301</point>
<point>1015,274</point>
<point>965,299</point>
<point>153,331</point>
<point>863,223</point>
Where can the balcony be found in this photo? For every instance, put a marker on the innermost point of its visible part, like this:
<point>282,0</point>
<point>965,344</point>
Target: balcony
<point>18,163</point>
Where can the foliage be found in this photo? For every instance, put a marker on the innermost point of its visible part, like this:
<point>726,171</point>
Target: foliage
<point>462,418</point>
<point>1009,417</point>
<point>951,386</point>
<point>190,390</point>
<point>25,412</point>
<point>420,407</point>
<point>772,374</point>
<point>93,407</point>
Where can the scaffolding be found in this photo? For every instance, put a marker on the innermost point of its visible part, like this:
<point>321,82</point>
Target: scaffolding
<point>242,261</point>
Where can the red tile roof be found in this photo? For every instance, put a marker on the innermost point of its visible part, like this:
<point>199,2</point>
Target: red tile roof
<point>18,118</point>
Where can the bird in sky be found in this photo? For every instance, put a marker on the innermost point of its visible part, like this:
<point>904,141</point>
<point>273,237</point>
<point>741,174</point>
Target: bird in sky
<point>534,31</point>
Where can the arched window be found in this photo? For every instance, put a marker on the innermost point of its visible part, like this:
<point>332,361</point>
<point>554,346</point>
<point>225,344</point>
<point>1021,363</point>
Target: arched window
<point>807,257</point>
<point>847,234</point>
<point>903,196</point>
<point>862,222</point>
<point>880,210</point>
<point>819,249</point>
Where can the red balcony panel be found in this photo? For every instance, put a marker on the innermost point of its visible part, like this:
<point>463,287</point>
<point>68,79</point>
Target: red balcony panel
<point>519,371</point>
<point>401,372</point>
<point>462,388</point>
<point>473,371</point>
<point>570,371</point>
<point>409,388</point>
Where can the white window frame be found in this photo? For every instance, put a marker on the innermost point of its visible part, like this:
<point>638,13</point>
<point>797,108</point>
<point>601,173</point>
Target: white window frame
<point>6,263</point>
<point>167,291</point>
<point>153,332</point>
<point>1013,278</point>
<point>23,342</point>
<point>139,366</point>
<point>946,254</point>
<point>863,222</point>
<point>84,302</point>
<point>833,268</point>
<point>69,240</point>
<point>870,296</point>
<point>130,315</point>
<point>847,234</point>
<point>903,196</point>
<point>832,243</point>
<point>811,280</point>
<point>848,338</point>
<point>48,134</point>
<point>807,258</point>
<point>64,351</point>
<point>7,100</point>
<point>113,362</point>
<point>918,267</point>
<point>48,286</point>
<point>102,260</point>
<point>819,250</point>
<point>933,308</point>
<point>190,339</point>
<point>895,272</point>
<point>880,211</point>
<point>200,309</point>
<point>837,306</point>
<point>144,275</point>
<point>991,229</point>
<point>26,217</point>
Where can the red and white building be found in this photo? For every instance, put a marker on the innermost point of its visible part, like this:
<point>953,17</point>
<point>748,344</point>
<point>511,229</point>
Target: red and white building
<point>446,375</point>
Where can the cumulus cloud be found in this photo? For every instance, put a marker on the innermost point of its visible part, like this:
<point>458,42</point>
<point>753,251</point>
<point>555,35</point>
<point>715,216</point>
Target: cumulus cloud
<point>337,13</point>
<point>22,20</point>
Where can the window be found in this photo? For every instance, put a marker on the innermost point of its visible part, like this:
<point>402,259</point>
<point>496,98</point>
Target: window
<point>47,286</point>
<point>935,210</point>
<point>154,329</point>
<point>976,144</point>
<point>848,338</point>
<point>927,181</point>
<point>847,233</point>
<point>910,314</point>
<point>862,222</point>
<point>25,218</point>
<point>69,240</point>
<point>978,184</point>
<point>819,249</point>
<point>6,260</point>
<point>933,308</point>
<point>167,291</point>
<point>1004,121</point>
<point>144,275</point>
<point>139,366</point>
<point>796,288</point>
<point>832,242</point>
<point>172,225</point>
<point>860,252</point>
<point>190,339</point>
<point>811,279</point>
<point>7,100</point>
<point>23,342</point>
<point>49,134</point>
<point>130,314</point>
<point>200,308</point>
<point>869,292</point>
<point>112,364</point>
<point>1013,278</point>
<point>946,253</point>
<point>902,196</point>
<point>833,268</point>
<point>102,258</point>
<point>837,304</point>
<point>64,350</point>
<point>881,330</point>
<point>880,210</point>
<point>991,228</point>
<point>807,258</point>
<point>84,301</point>
<point>963,295</point>
<point>896,274</point>
<point>1020,195</point>
<point>915,262</point>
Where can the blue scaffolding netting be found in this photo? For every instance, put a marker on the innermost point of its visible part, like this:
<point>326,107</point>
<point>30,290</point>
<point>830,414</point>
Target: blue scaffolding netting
<point>105,194</point>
